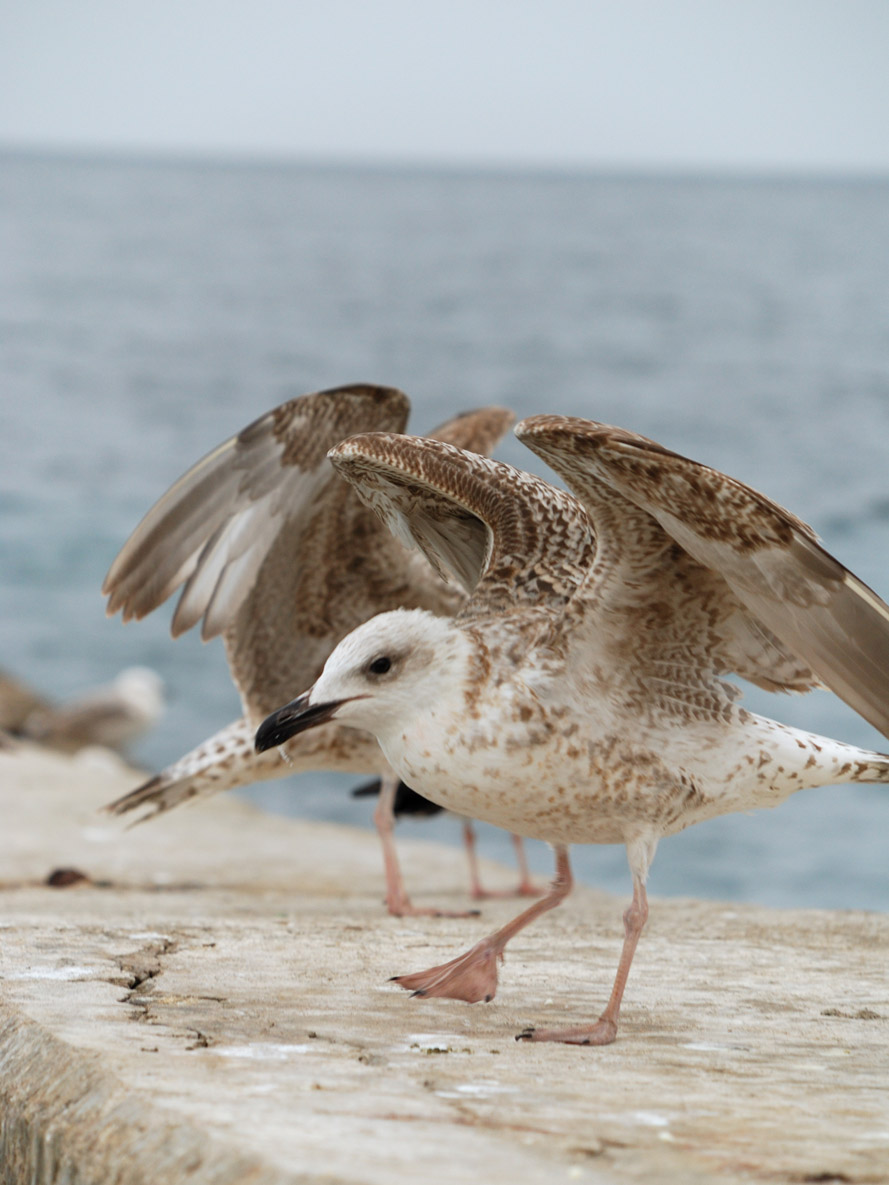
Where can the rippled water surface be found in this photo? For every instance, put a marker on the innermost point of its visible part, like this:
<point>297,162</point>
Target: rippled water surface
<point>149,310</point>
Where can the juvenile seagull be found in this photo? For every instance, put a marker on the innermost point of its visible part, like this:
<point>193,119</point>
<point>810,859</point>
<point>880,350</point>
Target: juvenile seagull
<point>279,556</point>
<point>578,694</point>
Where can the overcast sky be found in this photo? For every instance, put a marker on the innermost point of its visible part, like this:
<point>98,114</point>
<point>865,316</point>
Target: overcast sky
<point>787,84</point>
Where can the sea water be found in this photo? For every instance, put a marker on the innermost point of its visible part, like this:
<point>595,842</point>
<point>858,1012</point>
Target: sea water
<point>150,309</point>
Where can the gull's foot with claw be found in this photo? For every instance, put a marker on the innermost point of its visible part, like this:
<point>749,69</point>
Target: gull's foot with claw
<point>406,909</point>
<point>603,1032</point>
<point>471,977</point>
<point>523,889</point>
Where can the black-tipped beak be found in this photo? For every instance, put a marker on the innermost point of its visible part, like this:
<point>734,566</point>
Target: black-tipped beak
<point>294,717</point>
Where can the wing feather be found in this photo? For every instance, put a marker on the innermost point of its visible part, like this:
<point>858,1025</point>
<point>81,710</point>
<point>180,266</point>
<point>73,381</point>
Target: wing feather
<point>509,538</point>
<point>268,476</point>
<point>273,551</point>
<point>808,606</point>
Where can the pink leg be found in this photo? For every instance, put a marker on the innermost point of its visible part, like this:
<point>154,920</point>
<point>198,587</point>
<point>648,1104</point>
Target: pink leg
<point>473,975</point>
<point>604,1031</point>
<point>476,892</point>
<point>397,901</point>
<point>525,887</point>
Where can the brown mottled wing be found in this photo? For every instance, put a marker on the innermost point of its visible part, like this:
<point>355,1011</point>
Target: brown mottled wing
<point>701,628</point>
<point>478,431</point>
<point>804,602</point>
<point>211,529</point>
<point>509,538</point>
<point>342,568</point>
<point>237,531</point>
<point>275,552</point>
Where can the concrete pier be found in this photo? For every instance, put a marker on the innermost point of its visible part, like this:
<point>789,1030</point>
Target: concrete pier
<point>210,1004</point>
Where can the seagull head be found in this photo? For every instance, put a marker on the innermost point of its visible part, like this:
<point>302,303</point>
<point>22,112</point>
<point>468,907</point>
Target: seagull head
<point>376,679</point>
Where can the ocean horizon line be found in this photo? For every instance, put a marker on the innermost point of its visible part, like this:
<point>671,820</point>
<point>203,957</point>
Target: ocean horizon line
<point>604,171</point>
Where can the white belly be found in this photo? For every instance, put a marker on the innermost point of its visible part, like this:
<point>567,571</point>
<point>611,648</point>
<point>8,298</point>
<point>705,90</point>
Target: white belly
<point>567,784</point>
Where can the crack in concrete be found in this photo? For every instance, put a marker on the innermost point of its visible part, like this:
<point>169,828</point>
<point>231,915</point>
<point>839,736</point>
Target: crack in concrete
<point>140,967</point>
<point>201,1040</point>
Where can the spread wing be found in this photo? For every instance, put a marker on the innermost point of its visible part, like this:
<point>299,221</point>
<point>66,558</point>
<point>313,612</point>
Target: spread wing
<point>328,573</point>
<point>478,431</point>
<point>781,610</point>
<point>273,551</point>
<point>212,529</point>
<point>230,531</point>
<point>509,538</point>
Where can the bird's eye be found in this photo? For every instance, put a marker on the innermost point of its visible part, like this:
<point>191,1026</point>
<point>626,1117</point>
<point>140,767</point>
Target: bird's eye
<point>380,665</point>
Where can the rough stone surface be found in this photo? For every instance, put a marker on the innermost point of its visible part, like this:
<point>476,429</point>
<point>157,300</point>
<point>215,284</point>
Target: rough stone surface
<point>211,1005</point>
